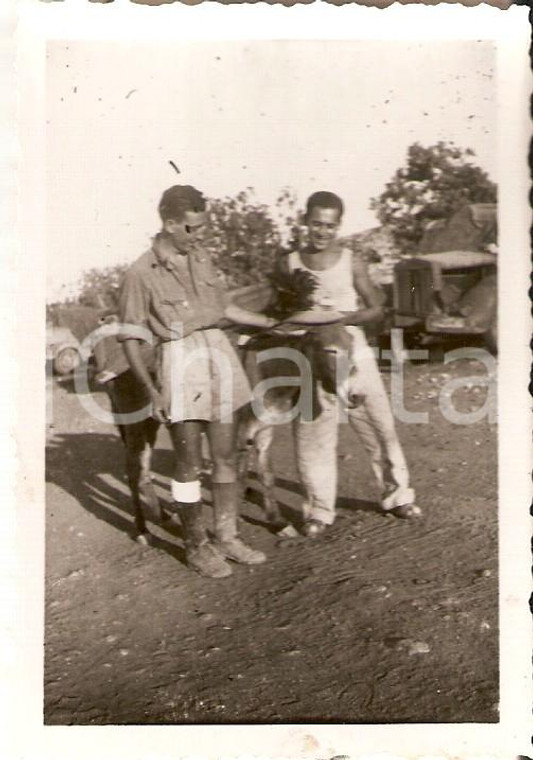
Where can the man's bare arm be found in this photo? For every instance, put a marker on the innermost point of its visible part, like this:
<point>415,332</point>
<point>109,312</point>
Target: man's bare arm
<point>245,317</point>
<point>371,296</point>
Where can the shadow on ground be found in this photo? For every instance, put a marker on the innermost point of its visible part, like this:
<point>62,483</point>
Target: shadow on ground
<point>84,465</point>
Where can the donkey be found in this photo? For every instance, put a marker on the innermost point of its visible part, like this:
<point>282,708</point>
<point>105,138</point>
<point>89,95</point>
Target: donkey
<point>127,395</point>
<point>321,346</point>
<point>325,348</point>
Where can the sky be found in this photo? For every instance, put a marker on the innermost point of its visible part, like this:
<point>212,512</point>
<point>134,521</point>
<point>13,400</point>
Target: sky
<point>307,115</point>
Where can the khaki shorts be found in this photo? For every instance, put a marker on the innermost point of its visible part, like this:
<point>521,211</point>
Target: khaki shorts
<point>202,378</point>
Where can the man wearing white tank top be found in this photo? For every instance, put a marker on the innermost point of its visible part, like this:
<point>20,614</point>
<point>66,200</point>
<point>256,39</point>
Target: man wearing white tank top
<point>344,285</point>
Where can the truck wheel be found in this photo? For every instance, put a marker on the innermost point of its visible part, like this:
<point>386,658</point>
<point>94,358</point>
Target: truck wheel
<point>66,361</point>
<point>491,338</point>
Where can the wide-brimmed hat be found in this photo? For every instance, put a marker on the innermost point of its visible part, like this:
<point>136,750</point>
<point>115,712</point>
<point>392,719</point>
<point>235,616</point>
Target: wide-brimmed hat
<point>314,317</point>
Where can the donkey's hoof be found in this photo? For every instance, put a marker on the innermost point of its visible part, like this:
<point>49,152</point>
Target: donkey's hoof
<point>287,531</point>
<point>144,538</point>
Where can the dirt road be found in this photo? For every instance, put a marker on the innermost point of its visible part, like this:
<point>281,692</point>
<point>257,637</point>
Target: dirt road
<point>377,621</point>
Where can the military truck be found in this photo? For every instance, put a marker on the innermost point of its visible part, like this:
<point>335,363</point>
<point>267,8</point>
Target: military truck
<point>66,328</point>
<point>448,287</point>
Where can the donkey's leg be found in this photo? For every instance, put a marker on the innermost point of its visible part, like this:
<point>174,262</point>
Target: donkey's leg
<point>127,396</point>
<point>135,453</point>
<point>263,444</point>
<point>139,439</point>
<point>146,486</point>
<point>247,426</point>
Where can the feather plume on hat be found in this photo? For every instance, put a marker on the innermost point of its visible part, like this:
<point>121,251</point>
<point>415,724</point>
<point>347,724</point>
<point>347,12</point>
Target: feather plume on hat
<point>293,292</point>
<point>294,302</point>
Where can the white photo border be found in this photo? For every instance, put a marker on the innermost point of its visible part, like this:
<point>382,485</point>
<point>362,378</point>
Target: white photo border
<point>39,22</point>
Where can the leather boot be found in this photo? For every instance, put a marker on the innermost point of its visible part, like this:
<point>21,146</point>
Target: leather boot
<point>227,542</point>
<point>200,554</point>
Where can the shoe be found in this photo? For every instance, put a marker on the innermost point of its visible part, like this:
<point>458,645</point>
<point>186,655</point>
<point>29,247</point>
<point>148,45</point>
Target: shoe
<point>406,511</point>
<point>225,513</point>
<point>199,553</point>
<point>236,550</point>
<point>206,561</point>
<point>312,528</point>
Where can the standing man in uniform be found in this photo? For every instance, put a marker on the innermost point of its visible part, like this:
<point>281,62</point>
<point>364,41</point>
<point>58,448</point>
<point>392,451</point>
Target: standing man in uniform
<point>172,295</point>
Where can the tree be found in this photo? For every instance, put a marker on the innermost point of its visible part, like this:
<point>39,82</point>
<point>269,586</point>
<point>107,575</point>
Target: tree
<point>436,182</point>
<point>99,287</point>
<point>244,237</point>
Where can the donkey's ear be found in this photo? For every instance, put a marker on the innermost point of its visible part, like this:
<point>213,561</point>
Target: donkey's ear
<point>316,406</point>
<point>310,354</point>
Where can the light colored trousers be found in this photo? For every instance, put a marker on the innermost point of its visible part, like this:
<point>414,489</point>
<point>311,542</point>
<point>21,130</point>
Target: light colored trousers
<point>316,443</point>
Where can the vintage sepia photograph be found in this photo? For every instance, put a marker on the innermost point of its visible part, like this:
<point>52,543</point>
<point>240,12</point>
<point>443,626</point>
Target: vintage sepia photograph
<point>358,556</point>
<point>273,451</point>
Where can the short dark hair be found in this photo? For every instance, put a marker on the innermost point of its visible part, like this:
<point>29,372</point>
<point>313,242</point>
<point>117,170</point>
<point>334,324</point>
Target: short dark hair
<point>324,199</point>
<point>179,199</point>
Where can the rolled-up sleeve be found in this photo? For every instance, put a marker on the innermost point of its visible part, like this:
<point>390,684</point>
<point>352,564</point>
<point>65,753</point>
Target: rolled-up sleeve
<point>134,303</point>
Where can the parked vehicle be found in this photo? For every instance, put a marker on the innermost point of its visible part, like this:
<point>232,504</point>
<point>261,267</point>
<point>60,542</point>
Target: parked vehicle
<point>63,350</point>
<point>66,329</point>
<point>449,287</point>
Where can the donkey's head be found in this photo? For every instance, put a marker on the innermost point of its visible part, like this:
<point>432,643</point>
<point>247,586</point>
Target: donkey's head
<point>328,348</point>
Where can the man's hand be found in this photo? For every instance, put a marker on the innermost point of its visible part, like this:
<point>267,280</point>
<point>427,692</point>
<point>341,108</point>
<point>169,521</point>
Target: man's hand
<point>160,412</point>
<point>246,318</point>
